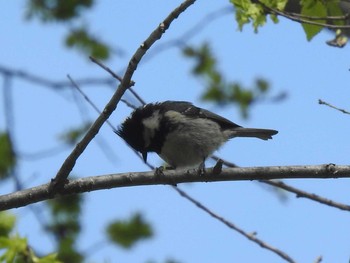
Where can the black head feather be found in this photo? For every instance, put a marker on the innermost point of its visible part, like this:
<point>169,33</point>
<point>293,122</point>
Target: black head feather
<point>131,130</point>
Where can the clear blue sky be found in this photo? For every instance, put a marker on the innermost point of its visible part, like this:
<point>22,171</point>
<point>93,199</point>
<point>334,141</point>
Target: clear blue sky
<point>308,133</point>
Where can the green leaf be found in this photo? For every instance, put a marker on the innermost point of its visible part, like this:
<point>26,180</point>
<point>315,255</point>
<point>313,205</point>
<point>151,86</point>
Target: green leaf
<point>51,10</point>
<point>126,233</point>
<point>314,8</point>
<point>67,252</point>
<point>7,156</point>
<point>248,11</point>
<point>14,247</point>
<point>262,85</point>
<point>70,204</point>
<point>88,44</point>
<point>72,136</point>
<point>7,222</point>
<point>51,258</point>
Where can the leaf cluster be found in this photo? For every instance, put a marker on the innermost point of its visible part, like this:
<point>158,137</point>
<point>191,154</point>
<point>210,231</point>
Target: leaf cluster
<point>78,37</point>
<point>217,89</point>
<point>305,11</point>
<point>8,158</point>
<point>126,233</point>
<point>15,249</point>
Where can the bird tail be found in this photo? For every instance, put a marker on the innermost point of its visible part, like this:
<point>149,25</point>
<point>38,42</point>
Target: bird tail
<point>263,134</point>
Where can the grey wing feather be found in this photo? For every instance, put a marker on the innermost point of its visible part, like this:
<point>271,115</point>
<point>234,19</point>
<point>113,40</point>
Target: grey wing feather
<point>188,109</point>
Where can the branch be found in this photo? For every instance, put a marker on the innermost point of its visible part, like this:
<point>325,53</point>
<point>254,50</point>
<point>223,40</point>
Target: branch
<point>56,85</point>
<point>333,107</point>
<point>298,192</point>
<point>300,19</point>
<point>93,183</point>
<point>69,163</point>
<point>252,237</point>
<point>304,194</point>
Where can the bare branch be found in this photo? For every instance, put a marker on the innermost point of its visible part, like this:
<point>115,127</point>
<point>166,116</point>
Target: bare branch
<point>329,105</point>
<point>318,259</point>
<point>132,83</point>
<point>251,237</point>
<point>20,74</point>
<point>69,163</point>
<point>298,192</point>
<point>304,194</point>
<point>93,183</point>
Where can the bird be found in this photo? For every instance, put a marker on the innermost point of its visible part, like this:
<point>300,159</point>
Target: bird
<point>182,134</point>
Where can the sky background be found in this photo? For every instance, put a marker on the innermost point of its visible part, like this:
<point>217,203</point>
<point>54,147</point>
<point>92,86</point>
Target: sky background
<point>309,133</point>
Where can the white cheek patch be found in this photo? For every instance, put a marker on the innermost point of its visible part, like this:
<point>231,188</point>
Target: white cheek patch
<point>151,124</point>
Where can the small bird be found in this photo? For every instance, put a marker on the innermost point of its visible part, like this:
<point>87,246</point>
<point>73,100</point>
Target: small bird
<point>182,134</point>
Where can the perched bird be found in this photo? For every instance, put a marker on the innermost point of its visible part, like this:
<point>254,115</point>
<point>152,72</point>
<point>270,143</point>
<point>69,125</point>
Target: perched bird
<point>182,134</point>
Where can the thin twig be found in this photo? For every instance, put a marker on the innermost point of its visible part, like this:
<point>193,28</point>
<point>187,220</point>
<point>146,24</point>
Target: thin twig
<point>69,163</point>
<point>132,83</point>
<point>251,237</point>
<point>318,259</point>
<point>82,93</point>
<point>57,85</point>
<point>304,194</point>
<point>330,18</point>
<point>99,63</point>
<point>299,19</point>
<point>333,107</point>
<point>296,191</point>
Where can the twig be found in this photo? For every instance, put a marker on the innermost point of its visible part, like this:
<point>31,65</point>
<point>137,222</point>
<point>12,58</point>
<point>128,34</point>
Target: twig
<point>299,19</point>
<point>76,86</point>
<point>329,105</point>
<point>57,85</point>
<point>132,83</point>
<point>69,163</point>
<point>318,259</point>
<point>93,183</point>
<point>251,237</point>
<point>298,192</point>
<point>114,75</point>
<point>304,194</point>
<point>190,33</point>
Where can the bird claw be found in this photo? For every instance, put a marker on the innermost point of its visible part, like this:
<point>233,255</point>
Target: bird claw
<point>201,169</point>
<point>159,171</point>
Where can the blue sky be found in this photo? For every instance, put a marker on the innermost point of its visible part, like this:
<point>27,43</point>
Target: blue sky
<point>308,133</point>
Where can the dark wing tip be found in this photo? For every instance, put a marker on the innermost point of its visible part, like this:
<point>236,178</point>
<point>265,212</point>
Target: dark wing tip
<point>119,131</point>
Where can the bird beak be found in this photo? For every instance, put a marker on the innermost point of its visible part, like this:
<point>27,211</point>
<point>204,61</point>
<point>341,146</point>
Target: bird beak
<point>144,156</point>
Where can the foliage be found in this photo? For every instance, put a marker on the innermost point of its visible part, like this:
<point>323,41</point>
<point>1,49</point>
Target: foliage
<point>51,10</point>
<point>63,11</point>
<point>72,135</point>
<point>82,40</point>
<point>126,233</point>
<point>255,12</point>
<point>217,89</point>
<point>65,226</point>
<point>14,248</point>
<point>7,156</point>
<point>248,11</point>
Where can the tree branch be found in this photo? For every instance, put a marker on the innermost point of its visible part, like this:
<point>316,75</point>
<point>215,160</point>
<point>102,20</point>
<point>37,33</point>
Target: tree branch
<point>333,107</point>
<point>304,194</point>
<point>252,237</point>
<point>296,191</point>
<point>93,183</point>
<point>300,18</point>
<point>69,163</point>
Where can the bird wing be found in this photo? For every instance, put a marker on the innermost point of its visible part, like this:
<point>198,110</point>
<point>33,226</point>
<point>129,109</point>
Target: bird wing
<point>189,110</point>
